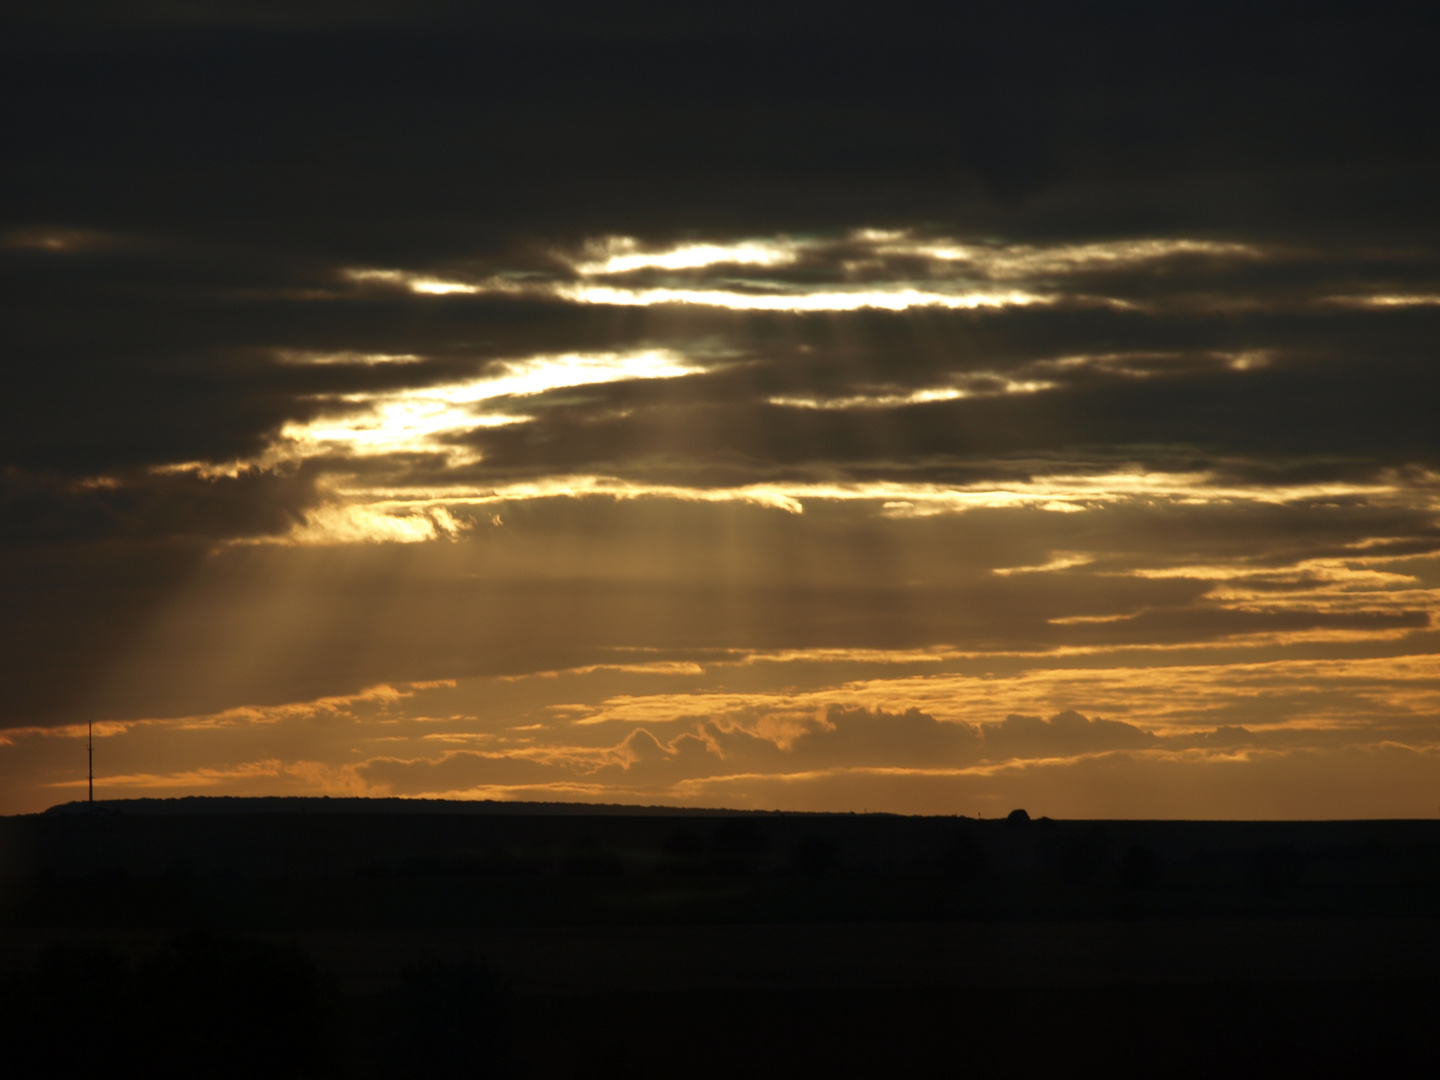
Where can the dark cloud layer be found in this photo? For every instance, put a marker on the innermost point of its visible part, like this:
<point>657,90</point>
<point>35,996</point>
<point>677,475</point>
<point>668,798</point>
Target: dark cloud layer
<point>811,109</point>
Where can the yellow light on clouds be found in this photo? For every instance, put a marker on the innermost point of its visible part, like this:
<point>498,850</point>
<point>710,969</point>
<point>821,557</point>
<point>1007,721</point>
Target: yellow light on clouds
<point>959,277</point>
<point>622,254</point>
<point>412,420</point>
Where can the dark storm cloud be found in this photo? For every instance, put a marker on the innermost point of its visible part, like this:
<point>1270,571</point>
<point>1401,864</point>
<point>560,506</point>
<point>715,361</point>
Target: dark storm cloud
<point>669,122</point>
<point>40,507</point>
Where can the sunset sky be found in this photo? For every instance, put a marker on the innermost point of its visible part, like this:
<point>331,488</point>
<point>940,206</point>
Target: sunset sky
<point>935,410</point>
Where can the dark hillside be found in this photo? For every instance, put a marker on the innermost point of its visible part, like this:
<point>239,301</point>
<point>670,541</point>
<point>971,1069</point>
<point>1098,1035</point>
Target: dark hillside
<point>572,940</point>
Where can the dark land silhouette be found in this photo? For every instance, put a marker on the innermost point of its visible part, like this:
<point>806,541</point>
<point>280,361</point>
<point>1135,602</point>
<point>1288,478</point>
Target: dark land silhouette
<point>339,937</point>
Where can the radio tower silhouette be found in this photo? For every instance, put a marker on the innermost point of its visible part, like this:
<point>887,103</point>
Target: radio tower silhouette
<point>90,753</point>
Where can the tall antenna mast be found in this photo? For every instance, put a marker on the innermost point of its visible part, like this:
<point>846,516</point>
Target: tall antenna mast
<point>90,753</point>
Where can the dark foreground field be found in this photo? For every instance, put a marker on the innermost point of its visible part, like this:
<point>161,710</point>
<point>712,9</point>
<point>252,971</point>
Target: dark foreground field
<point>354,938</point>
